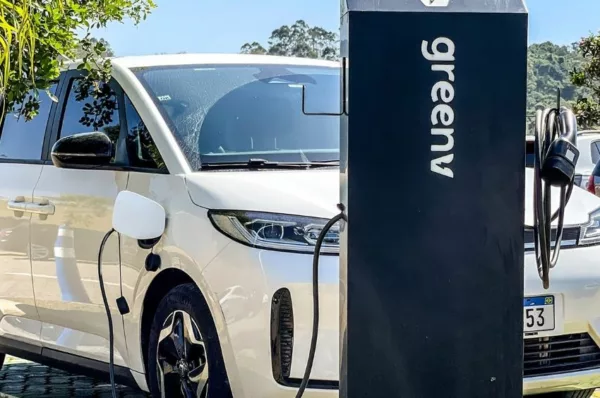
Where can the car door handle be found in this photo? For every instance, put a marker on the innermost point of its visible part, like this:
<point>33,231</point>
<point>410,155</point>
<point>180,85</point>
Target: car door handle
<point>40,208</point>
<point>18,205</point>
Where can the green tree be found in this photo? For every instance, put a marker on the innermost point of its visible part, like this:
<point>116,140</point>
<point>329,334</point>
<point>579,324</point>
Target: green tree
<point>253,48</point>
<point>38,36</point>
<point>80,53</point>
<point>548,70</point>
<point>587,76</point>
<point>298,40</point>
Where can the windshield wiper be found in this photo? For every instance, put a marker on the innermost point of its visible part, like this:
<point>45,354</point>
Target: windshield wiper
<point>267,164</point>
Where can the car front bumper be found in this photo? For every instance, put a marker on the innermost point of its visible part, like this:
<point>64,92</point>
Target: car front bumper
<point>560,365</point>
<point>249,282</point>
<point>584,380</point>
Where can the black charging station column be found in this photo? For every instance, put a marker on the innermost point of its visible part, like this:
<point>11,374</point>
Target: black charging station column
<point>432,174</point>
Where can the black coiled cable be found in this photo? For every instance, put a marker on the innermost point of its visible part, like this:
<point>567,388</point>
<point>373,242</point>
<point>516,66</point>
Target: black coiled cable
<point>555,129</point>
<point>315,288</point>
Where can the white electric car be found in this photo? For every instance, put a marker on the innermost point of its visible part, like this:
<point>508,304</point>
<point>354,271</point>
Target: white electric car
<point>247,181</point>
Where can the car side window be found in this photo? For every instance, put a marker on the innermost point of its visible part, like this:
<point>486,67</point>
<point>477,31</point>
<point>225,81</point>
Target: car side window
<point>595,151</point>
<point>21,139</point>
<point>141,150</point>
<point>86,113</point>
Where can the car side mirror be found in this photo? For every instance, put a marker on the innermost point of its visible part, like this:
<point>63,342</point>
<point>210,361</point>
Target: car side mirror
<point>138,217</point>
<point>82,150</point>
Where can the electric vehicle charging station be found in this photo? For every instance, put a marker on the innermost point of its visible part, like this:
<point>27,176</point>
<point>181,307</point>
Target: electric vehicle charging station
<point>431,263</point>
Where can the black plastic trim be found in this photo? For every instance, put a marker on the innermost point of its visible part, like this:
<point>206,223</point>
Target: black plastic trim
<point>115,167</point>
<point>147,244</point>
<point>312,384</point>
<point>278,372</point>
<point>67,362</point>
<point>281,361</point>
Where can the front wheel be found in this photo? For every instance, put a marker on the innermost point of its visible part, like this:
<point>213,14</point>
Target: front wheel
<point>184,355</point>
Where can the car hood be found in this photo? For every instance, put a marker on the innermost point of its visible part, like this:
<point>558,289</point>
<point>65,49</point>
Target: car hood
<point>312,193</point>
<point>581,203</point>
<point>315,193</point>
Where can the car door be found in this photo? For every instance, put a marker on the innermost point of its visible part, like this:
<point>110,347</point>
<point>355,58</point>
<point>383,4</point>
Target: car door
<point>66,286</point>
<point>21,162</point>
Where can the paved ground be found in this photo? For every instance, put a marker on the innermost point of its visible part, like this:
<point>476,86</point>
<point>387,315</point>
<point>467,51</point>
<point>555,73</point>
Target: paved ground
<point>21,379</point>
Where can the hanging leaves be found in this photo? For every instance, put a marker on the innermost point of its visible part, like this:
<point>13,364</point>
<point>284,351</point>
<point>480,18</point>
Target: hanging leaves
<point>38,37</point>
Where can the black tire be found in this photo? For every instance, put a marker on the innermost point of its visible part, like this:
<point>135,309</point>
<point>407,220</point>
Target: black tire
<point>187,299</point>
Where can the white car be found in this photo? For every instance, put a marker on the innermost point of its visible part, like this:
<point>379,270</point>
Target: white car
<point>247,181</point>
<point>588,143</point>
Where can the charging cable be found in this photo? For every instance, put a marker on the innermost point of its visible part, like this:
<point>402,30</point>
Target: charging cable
<point>315,291</point>
<point>111,337</point>
<point>556,156</point>
<point>123,309</point>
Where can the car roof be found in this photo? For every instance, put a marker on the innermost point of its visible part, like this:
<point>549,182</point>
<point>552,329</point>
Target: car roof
<point>588,133</point>
<point>212,59</point>
<point>592,134</point>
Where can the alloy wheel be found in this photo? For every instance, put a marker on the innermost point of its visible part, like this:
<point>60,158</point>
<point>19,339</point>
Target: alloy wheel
<point>182,358</point>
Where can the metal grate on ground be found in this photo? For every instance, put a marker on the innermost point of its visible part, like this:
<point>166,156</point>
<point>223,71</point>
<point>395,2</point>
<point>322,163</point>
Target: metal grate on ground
<point>22,379</point>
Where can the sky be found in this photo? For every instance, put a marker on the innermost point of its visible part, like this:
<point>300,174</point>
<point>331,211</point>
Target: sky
<point>225,25</point>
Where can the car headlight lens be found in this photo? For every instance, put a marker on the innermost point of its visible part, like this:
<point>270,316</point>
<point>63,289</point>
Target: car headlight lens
<point>281,232</point>
<point>590,233</point>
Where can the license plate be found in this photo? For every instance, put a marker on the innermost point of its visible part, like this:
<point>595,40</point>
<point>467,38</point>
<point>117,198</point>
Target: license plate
<point>538,314</point>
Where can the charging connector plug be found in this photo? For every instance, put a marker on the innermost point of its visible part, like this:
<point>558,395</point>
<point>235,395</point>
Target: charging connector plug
<point>558,169</point>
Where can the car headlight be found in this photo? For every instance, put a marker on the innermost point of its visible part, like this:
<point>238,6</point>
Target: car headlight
<point>271,231</point>
<point>590,233</point>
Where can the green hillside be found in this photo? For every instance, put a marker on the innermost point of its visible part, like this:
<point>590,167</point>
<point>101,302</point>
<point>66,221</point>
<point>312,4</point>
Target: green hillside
<point>548,69</point>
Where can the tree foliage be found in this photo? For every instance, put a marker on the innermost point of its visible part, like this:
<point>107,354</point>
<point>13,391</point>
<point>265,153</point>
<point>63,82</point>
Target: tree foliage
<point>38,36</point>
<point>298,40</point>
<point>587,76</point>
<point>549,69</point>
<point>80,52</point>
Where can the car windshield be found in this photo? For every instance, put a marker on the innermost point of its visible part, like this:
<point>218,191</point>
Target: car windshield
<point>235,113</point>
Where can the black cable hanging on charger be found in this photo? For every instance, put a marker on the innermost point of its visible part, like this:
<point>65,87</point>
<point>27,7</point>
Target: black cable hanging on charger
<point>111,337</point>
<point>556,156</point>
<point>315,291</point>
